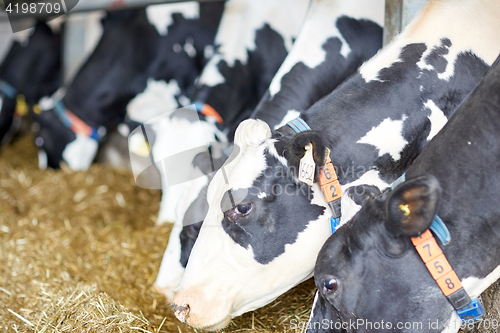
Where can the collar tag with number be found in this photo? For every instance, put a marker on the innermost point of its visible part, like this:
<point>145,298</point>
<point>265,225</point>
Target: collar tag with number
<point>307,166</point>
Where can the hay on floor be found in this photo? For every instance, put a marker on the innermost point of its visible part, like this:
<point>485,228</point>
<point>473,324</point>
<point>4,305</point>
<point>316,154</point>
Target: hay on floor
<point>79,252</point>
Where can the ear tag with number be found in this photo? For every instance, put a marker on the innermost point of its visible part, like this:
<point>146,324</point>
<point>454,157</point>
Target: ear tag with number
<point>307,166</point>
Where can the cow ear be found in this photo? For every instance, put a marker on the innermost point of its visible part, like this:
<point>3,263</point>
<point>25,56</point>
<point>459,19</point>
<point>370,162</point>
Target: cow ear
<point>251,132</point>
<point>297,150</point>
<point>411,207</point>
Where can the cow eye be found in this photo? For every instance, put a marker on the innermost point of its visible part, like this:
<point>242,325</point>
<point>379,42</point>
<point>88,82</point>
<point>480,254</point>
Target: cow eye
<point>240,210</point>
<point>243,209</point>
<point>329,285</point>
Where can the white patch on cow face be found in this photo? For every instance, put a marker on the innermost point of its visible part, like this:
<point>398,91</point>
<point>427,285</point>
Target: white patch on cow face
<point>437,119</point>
<point>290,115</point>
<point>318,27</point>
<point>475,286</point>
<point>161,15</point>
<point>222,279</point>
<point>171,270</point>
<point>443,19</point>
<point>80,153</point>
<point>387,137</point>
<point>158,98</point>
<point>238,27</point>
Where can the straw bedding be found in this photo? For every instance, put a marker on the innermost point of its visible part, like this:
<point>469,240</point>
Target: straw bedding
<point>79,252</point>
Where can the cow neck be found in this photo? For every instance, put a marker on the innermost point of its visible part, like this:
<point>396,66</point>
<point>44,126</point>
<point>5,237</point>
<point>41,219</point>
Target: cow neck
<point>440,269</point>
<point>78,126</point>
<point>328,179</point>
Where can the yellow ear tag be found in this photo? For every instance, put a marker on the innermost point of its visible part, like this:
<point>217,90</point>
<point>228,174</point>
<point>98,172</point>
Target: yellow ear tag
<point>405,209</point>
<point>37,109</point>
<point>142,149</point>
<point>307,166</point>
<point>21,106</point>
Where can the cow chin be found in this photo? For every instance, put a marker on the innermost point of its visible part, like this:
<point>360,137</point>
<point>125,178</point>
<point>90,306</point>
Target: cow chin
<point>215,327</point>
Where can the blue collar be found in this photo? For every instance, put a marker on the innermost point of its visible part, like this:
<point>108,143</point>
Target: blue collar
<point>7,89</point>
<point>71,121</point>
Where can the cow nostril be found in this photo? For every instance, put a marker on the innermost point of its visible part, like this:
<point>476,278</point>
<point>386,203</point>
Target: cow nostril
<point>329,284</point>
<point>181,312</point>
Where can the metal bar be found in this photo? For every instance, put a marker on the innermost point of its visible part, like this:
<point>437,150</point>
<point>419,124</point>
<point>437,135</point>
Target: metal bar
<point>398,14</point>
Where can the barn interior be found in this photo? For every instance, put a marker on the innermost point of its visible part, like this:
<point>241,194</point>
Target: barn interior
<point>80,251</point>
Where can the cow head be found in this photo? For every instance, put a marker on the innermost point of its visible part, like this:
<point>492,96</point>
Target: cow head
<point>99,93</point>
<point>33,70</point>
<point>368,272</point>
<point>262,232</point>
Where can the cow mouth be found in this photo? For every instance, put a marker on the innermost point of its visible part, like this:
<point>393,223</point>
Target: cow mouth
<point>211,327</point>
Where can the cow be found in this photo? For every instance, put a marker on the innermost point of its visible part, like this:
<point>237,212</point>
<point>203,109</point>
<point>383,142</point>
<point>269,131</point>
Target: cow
<point>136,44</point>
<point>369,271</point>
<point>313,68</point>
<point>268,225</point>
<point>30,70</point>
<point>253,39</point>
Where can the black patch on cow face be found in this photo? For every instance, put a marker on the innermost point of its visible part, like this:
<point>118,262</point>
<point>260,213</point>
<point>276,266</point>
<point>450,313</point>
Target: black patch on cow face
<point>352,110</point>
<point>274,219</point>
<point>198,209</point>
<point>192,222</point>
<point>303,86</point>
<point>245,84</point>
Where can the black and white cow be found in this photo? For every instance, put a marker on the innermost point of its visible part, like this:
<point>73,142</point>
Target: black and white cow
<point>269,226</point>
<point>253,39</point>
<point>369,272</point>
<point>30,70</point>
<point>319,60</point>
<point>136,45</point>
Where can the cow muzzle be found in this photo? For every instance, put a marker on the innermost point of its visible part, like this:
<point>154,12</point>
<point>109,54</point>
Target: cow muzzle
<point>200,315</point>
